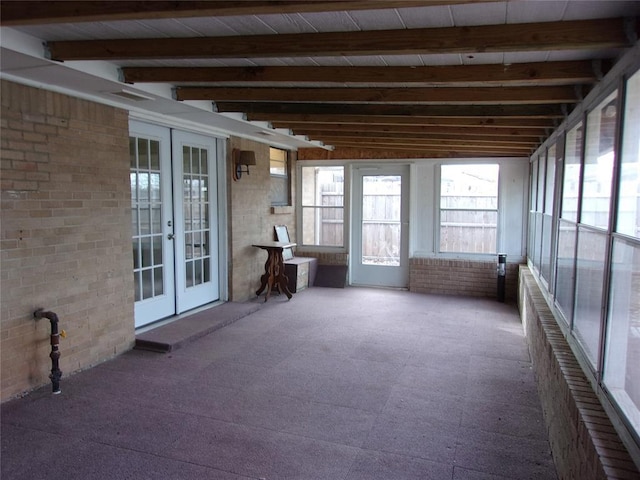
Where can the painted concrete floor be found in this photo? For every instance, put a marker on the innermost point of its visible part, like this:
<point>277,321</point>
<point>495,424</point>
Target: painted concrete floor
<point>338,384</point>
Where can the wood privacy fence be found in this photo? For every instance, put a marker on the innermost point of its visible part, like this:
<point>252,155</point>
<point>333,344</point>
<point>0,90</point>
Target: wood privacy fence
<point>468,223</point>
<point>381,228</point>
<point>471,230</point>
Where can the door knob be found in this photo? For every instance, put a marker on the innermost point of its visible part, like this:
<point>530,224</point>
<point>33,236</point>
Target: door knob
<point>170,236</point>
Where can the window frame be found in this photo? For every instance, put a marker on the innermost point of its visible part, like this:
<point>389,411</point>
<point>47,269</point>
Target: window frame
<point>346,205</point>
<point>286,177</point>
<point>438,212</point>
<point>596,368</point>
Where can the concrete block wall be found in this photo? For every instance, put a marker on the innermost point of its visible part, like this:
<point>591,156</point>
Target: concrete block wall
<point>583,440</point>
<point>460,277</point>
<point>251,218</point>
<point>65,233</point>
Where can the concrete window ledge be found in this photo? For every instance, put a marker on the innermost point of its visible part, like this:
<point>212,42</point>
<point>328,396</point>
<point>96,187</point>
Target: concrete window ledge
<point>284,210</point>
<point>583,441</point>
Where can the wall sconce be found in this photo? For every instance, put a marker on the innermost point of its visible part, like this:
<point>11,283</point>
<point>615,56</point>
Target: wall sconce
<point>242,158</point>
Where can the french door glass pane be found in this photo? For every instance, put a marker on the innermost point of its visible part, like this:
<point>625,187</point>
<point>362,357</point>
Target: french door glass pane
<point>195,183</point>
<point>146,218</point>
<point>381,195</point>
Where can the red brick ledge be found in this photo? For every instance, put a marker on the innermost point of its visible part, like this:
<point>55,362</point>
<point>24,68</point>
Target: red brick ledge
<point>583,440</point>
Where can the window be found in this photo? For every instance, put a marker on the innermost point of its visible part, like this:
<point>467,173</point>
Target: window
<point>539,225</point>
<point>598,164</point>
<point>547,218</point>
<point>597,252</point>
<point>629,198</point>
<point>621,372</point>
<point>279,169</point>
<point>590,268</point>
<point>567,226</point>
<point>565,268</point>
<point>468,208</point>
<point>571,180</point>
<point>533,200</point>
<point>323,206</point>
<point>622,354</point>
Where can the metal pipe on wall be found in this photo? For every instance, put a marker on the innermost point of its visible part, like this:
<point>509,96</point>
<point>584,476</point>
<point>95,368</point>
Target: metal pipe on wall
<point>56,373</point>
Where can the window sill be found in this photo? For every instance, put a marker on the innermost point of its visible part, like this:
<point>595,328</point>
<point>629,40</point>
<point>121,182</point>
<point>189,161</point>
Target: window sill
<point>282,210</point>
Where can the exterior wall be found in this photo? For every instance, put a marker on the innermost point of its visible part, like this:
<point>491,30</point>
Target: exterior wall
<point>583,441</point>
<point>460,277</point>
<point>66,239</point>
<point>251,219</point>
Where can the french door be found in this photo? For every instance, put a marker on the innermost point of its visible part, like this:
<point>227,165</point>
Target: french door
<point>174,221</point>
<point>380,226</point>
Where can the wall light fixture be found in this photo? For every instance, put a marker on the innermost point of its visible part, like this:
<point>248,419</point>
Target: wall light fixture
<point>242,159</point>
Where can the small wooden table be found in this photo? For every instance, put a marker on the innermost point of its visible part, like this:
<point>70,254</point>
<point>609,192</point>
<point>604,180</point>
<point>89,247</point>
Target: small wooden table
<point>274,268</point>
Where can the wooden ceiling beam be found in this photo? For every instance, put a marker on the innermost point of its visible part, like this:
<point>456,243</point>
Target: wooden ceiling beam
<point>425,148</point>
<point>27,12</point>
<point>412,96</point>
<point>516,74</point>
<point>367,153</point>
<point>480,139</point>
<point>523,37</point>
<point>487,111</point>
<point>340,140</point>
<point>286,119</point>
<point>514,133</point>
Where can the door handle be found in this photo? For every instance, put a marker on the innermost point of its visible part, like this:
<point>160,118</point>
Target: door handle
<point>170,236</point>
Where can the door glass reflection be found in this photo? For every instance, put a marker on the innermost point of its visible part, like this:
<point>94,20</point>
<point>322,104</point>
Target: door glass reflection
<point>146,218</point>
<point>196,212</point>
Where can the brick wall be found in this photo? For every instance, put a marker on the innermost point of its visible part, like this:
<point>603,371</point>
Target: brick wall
<point>327,258</point>
<point>65,233</point>
<point>583,441</point>
<point>460,277</point>
<point>251,219</point>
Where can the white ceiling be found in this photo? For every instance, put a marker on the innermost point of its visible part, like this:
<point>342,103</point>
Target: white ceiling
<point>438,16</point>
<point>23,56</point>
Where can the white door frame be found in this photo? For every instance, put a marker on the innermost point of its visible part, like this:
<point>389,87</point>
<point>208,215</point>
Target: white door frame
<point>192,296</point>
<point>151,309</point>
<point>147,312</point>
<point>378,275</point>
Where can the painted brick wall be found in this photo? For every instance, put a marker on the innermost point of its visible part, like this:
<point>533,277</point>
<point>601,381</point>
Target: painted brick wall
<point>460,277</point>
<point>251,219</point>
<point>65,232</point>
<point>583,441</point>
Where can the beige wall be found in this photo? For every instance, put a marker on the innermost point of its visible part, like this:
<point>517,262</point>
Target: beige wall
<point>65,230</point>
<point>66,239</point>
<point>251,219</point>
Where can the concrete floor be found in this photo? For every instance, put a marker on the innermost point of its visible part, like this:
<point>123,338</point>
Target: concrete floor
<point>335,384</point>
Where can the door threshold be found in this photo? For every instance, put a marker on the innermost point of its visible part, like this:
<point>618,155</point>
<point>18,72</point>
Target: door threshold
<point>165,321</point>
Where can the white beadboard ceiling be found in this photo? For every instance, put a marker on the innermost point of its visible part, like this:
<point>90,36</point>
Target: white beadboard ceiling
<point>24,57</point>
